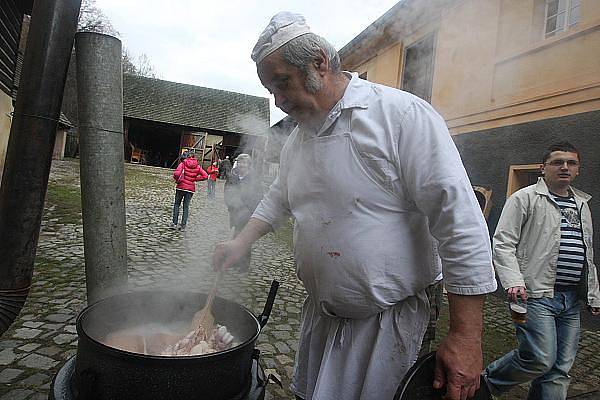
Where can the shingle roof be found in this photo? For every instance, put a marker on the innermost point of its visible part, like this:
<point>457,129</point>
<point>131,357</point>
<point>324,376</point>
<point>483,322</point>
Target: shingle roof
<point>194,106</point>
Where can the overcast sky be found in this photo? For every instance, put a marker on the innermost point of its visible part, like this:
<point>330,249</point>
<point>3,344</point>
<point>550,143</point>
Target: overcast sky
<point>208,43</point>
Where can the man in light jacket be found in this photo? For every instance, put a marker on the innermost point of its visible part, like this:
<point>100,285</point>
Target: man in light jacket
<point>543,254</point>
<point>374,182</point>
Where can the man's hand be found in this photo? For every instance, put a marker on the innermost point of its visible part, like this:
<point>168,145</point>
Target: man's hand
<point>595,311</point>
<point>459,360</point>
<point>228,253</point>
<point>458,366</point>
<point>516,291</point>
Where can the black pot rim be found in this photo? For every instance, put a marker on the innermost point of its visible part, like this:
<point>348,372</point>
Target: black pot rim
<point>119,352</point>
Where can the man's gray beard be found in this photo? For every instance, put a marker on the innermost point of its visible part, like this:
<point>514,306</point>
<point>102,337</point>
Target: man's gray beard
<point>312,83</point>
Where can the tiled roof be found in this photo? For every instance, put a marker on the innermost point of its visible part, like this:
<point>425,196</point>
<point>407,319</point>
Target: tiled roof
<point>194,106</point>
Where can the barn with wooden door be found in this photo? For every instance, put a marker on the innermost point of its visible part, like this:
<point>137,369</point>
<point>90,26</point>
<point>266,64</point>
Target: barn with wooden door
<point>163,119</point>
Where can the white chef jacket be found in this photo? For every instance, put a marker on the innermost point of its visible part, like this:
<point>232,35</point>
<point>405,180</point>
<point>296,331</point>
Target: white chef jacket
<point>406,146</point>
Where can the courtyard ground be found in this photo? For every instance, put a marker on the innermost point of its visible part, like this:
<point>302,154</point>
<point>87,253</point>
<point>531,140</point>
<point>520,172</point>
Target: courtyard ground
<point>44,337</point>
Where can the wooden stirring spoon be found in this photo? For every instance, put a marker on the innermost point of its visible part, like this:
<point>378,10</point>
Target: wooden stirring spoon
<point>204,318</point>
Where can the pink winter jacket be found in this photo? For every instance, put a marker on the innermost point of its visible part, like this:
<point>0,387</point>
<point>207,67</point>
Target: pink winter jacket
<point>192,172</point>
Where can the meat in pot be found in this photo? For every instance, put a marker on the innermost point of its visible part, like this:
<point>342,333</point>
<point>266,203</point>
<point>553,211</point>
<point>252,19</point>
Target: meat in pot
<point>162,341</point>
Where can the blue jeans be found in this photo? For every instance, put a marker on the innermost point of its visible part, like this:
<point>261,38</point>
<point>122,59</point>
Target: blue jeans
<point>548,344</point>
<point>186,197</point>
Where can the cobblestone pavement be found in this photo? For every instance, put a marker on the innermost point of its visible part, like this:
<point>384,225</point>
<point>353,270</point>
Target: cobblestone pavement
<point>44,336</point>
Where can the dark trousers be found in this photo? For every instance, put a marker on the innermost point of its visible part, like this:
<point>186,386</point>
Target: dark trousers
<point>186,197</point>
<point>210,189</point>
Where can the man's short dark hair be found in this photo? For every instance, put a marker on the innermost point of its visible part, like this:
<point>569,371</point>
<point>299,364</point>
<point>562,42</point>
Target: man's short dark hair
<point>561,146</point>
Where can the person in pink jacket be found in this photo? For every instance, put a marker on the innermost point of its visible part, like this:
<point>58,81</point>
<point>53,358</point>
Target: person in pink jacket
<point>187,173</point>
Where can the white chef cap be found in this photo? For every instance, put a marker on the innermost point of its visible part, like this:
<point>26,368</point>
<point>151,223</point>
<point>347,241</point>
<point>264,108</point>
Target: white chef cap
<point>282,28</point>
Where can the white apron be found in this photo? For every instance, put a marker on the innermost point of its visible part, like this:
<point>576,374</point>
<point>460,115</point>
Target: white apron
<point>361,324</point>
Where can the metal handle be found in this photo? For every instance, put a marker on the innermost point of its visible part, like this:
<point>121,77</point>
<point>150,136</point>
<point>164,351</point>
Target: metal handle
<point>264,317</point>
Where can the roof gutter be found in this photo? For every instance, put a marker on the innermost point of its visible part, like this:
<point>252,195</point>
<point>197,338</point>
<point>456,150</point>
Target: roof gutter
<point>375,29</point>
<point>31,142</point>
<point>400,21</point>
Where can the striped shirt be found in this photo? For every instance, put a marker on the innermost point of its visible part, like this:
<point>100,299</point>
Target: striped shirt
<point>571,253</point>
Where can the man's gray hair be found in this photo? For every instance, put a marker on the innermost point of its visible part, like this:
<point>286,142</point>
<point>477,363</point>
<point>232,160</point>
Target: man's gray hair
<point>244,156</point>
<point>303,50</point>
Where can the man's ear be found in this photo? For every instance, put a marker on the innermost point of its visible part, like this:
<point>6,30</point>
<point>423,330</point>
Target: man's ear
<point>542,169</point>
<point>321,63</point>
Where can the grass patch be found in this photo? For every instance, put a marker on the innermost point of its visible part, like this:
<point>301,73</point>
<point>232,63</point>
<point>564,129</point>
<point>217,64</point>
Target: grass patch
<point>136,177</point>
<point>64,202</point>
<point>43,263</point>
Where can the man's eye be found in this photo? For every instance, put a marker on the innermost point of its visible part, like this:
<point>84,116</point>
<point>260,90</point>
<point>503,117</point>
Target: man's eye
<point>282,84</point>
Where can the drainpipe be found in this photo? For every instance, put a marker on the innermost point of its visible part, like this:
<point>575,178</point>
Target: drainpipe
<point>101,151</point>
<point>30,147</point>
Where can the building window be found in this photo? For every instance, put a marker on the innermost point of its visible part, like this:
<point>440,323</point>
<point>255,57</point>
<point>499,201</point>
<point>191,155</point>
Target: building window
<point>417,71</point>
<point>561,15</point>
<point>520,176</point>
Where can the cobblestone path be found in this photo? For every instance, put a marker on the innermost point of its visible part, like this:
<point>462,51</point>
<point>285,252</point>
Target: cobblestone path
<point>44,336</point>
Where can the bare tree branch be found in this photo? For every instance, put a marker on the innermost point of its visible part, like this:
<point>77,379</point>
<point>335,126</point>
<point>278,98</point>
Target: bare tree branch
<point>93,19</point>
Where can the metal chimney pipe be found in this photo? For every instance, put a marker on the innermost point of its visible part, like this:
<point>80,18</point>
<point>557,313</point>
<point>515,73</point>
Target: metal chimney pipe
<point>30,146</point>
<point>101,143</point>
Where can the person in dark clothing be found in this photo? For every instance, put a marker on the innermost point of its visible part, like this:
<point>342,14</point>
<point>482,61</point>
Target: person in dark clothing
<point>225,168</point>
<point>243,192</point>
<point>219,166</point>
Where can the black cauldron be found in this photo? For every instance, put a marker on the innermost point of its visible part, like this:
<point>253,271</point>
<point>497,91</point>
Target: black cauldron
<point>102,372</point>
<point>418,383</point>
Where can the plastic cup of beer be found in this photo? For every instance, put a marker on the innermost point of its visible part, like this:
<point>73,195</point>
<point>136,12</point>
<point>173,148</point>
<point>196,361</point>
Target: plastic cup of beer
<point>518,312</point>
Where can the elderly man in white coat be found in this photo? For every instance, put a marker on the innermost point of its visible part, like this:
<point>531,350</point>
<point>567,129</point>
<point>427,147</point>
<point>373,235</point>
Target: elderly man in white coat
<point>373,181</point>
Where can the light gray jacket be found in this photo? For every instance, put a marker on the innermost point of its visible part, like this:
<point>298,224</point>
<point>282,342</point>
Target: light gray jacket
<point>527,240</point>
